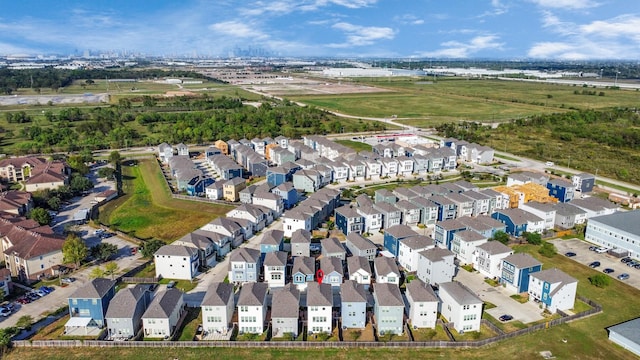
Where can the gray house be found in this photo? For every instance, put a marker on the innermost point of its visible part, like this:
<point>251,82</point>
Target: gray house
<point>285,311</point>
<point>391,216</point>
<point>388,309</point>
<point>244,265</point>
<point>162,315</point>
<point>332,247</point>
<point>333,271</point>
<point>300,242</point>
<point>359,245</point>
<point>353,305</point>
<point>124,315</point>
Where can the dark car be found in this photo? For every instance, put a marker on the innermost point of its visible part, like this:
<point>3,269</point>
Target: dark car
<point>593,248</point>
<point>594,264</point>
<point>506,317</point>
<point>625,260</point>
<point>23,300</point>
<point>608,271</point>
<point>623,276</point>
<point>570,254</point>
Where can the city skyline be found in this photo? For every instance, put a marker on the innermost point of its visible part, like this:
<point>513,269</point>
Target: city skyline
<point>499,29</point>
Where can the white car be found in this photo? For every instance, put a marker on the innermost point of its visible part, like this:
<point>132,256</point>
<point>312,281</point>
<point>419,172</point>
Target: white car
<point>549,163</point>
<point>601,250</point>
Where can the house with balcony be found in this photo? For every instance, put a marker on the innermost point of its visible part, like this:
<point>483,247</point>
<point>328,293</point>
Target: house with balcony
<point>124,315</point>
<point>583,182</point>
<point>333,270</point>
<point>561,189</point>
<point>348,220</point>
<point>285,312</point>
<point>89,303</point>
<point>517,221</point>
<point>353,307</point>
<point>275,268</point>
<point>287,193</point>
<point>444,231</point>
<point>303,271</point>
<point>388,309</point>
<point>372,218</point>
<point>410,212</point>
<point>547,212</point>
<point>464,245</point>
<point>272,241</point>
<point>332,247</point>
<point>206,243</point>
<point>394,234</point>
<point>436,265</point>
<point>423,304</point>
<point>554,289</point>
<point>568,216</point>
<point>244,265</point>
<point>217,308</point>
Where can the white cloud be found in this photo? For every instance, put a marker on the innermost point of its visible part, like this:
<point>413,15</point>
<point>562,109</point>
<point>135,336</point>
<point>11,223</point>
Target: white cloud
<point>498,8</point>
<point>283,7</point>
<point>566,4</point>
<point>457,49</point>
<point>238,29</point>
<point>622,26</point>
<point>408,19</point>
<point>362,35</point>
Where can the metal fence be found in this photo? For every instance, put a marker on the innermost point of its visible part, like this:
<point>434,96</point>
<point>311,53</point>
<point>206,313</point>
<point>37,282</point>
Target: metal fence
<point>595,308</point>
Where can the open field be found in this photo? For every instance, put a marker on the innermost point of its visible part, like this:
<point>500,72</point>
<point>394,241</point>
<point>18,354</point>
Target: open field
<point>148,211</point>
<point>355,145</point>
<point>426,104</point>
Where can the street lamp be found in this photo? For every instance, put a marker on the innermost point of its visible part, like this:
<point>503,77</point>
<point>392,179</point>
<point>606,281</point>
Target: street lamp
<point>615,83</point>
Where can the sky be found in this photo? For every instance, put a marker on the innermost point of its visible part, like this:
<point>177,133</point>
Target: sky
<point>456,29</point>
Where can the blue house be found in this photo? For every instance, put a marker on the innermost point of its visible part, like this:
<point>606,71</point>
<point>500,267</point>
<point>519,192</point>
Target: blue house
<point>562,190</point>
<point>394,234</point>
<point>303,271</point>
<point>272,241</point>
<point>88,305</point>
<point>516,269</point>
<point>584,182</point>
<point>515,220</point>
<point>348,220</point>
<point>198,185</point>
<point>276,175</point>
<point>288,193</point>
<point>444,230</point>
<point>447,208</point>
<point>231,171</point>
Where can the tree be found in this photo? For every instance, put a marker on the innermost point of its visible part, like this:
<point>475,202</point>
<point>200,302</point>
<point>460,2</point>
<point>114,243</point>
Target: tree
<point>40,215</point>
<point>532,238</point>
<point>501,236</point>
<point>74,250</point>
<point>547,250</point>
<point>80,183</point>
<point>2,294</point>
<point>97,272</point>
<point>106,172</point>
<point>115,158</point>
<point>110,269</point>
<point>76,162</point>
<point>150,247</point>
<point>24,322</point>
<point>5,338</point>
<point>600,280</point>
<point>103,251</point>
<point>54,203</point>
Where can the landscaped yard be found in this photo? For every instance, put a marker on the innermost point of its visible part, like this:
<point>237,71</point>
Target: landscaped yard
<point>190,325</point>
<point>148,211</point>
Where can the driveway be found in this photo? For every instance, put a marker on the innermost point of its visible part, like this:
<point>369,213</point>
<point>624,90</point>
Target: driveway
<point>585,256</point>
<point>500,297</point>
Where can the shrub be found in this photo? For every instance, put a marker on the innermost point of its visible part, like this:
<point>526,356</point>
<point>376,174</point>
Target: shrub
<point>600,280</point>
<point>547,250</point>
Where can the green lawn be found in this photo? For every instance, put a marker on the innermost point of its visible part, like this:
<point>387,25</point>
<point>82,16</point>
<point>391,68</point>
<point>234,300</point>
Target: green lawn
<point>355,145</point>
<point>148,211</point>
<point>190,325</point>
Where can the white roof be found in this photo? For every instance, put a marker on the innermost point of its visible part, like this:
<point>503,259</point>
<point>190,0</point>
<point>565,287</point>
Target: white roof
<point>78,322</point>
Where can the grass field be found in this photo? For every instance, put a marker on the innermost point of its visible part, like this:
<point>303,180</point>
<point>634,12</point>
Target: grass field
<point>355,145</point>
<point>585,339</point>
<point>148,211</point>
<point>429,104</point>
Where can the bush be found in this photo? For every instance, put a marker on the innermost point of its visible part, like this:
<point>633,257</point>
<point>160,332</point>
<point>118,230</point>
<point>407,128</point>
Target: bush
<point>547,250</point>
<point>600,280</point>
<point>532,238</point>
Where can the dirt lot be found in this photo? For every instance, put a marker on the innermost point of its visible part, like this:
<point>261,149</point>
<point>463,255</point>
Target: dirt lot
<point>54,99</point>
<point>312,87</point>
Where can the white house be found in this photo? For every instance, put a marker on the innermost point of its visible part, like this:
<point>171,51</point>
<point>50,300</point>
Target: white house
<point>353,305</point>
<point>546,212</point>
<point>295,219</point>
<point>163,313</point>
<point>464,245</point>
<point>386,270</point>
<point>423,304</point>
<point>460,306</point>
<point>409,250</point>
<point>176,262</point>
<point>372,218</point>
<point>388,308</point>
<point>275,266</point>
<point>217,308</point>
<point>488,258</point>
<point>252,308</point>
<point>553,288</point>
<point>319,308</point>
<point>285,311</point>
<point>436,266</point>
<point>359,270</point>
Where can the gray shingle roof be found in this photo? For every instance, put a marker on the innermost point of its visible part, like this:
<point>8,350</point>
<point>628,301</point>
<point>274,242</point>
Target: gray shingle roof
<point>519,216</point>
<point>95,289</point>
<point>553,276</point>
<point>285,303</point>
<point>494,247</point>
<point>566,209</point>
<point>400,231</point>
<point>351,291</point>
<point>355,263</point>
<point>387,294</point>
<point>332,246</point>
<point>522,260</point>
<point>253,294</point>
<point>384,265</point>
<point>469,236</point>
<point>630,330</point>
<point>545,207</point>
<point>123,304</point>
<point>272,237</point>
<point>331,264</point>
<point>436,254</point>
<point>276,258</point>
<point>218,294</point>
<point>319,294</point>
<point>360,242</point>
<point>301,236</point>
<point>420,291</point>
<point>417,242</point>
<point>163,304</point>
<point>245,255</point>
<point>451,224</point>
<point>176,250</point>
<point>594,204</point>
<point>460,293</point>
<point>304,265</point>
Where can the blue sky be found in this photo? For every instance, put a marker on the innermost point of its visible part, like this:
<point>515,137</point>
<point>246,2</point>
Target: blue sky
<point>499,29</point>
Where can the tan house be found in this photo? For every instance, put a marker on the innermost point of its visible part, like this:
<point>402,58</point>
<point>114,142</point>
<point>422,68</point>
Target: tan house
<point>15,202</point>
<point>222,146</point>
<point>231,189</point>
<point>37,173</point>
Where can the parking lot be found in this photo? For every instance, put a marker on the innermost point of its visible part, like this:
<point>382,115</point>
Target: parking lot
<point>586,256</point>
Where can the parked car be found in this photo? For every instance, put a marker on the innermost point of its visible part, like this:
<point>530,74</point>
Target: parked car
<point>171,284</point>
<point>5,312</point>
<point>632,263</point>
<point>68,280</point>
<point>570,254</point>
<point>40,293</point>
<point>594,264</point>
<point>625,260</point>
<point>623,276</point>
<point>593,248</point>
<point>46,289</point>
<point>602,250</point>
<point>608,271</point>
<point>506,317</point>
<point>23,300</point>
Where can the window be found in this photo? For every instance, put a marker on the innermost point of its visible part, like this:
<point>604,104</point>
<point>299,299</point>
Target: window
<point>276,276</point>
<point>244,308</point>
